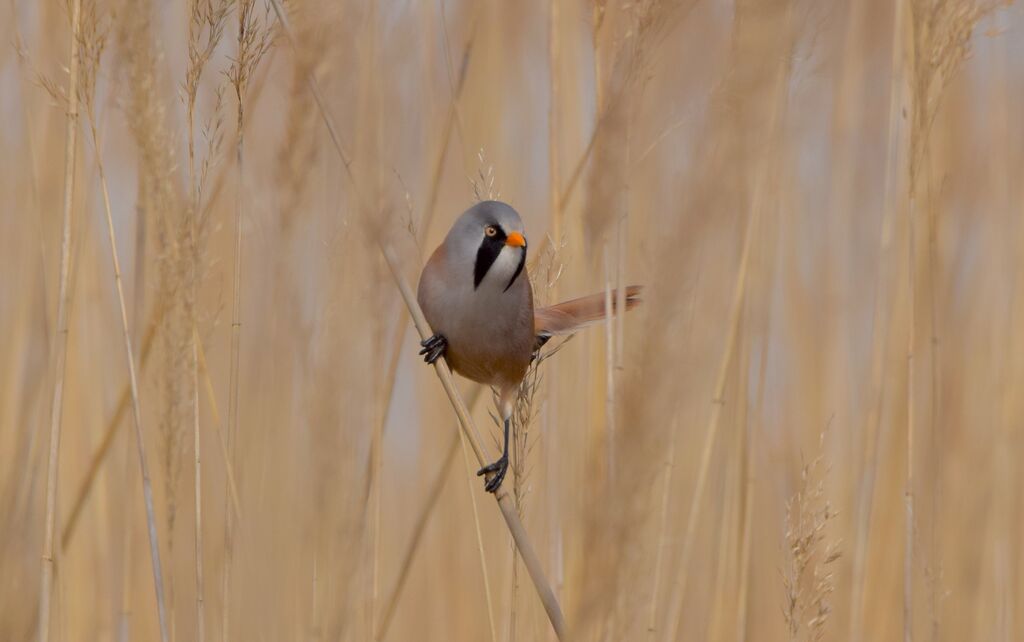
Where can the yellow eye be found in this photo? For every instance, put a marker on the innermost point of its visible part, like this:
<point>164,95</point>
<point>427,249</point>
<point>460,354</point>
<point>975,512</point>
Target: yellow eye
<point>490,230</point>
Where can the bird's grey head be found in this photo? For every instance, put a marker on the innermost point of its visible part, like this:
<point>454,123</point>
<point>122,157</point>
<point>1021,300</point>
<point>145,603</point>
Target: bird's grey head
<point>488,239</point>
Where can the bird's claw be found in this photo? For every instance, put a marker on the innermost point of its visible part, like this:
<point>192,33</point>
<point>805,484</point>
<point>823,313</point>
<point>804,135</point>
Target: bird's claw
<point>499,468</point>
<point>433,348</point>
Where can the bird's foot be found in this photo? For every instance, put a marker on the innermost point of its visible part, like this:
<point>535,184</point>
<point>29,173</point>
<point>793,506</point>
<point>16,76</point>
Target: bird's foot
<point>499,468</point>
<point>433,348</point>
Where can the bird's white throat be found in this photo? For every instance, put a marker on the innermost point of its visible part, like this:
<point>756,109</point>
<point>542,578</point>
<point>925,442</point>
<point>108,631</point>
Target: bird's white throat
<point>503,268</point>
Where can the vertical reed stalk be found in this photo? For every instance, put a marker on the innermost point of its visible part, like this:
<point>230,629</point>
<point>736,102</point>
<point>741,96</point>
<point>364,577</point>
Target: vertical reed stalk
<point>252,43</point>
<point>554,179</point>
<point>880,335</point>
<point>731,505</point>
<point>609,345</point>
<point>110,433</point>
<point>125,611</point>
<point>198,497</point>
<point>751,434</point>
<point>236,335</point>
<point>621,231</point>
<point>747,528</point>
<point>374,93</point>
<point>210,19</point>
<point>193,74</point>
<point>718,401</point>
<point>396,352</point>
<point>422,229</point>
<point>128,532</point>
<point>670,465</point>
<point>147,487</point>
<point>470,479</point>
<point>505,503</point>
<point>419,527</point>
<point>141,343</point>
<point>426,510</point>
<point>912,272</point>
<point>908,493</point>
<point>61,342</point>
<point>677,602</point>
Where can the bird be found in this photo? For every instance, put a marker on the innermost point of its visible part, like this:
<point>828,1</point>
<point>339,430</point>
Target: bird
<point>476,295</point>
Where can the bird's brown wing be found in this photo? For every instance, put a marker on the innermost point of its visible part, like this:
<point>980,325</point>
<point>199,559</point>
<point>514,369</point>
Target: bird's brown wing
<point>574,315</point>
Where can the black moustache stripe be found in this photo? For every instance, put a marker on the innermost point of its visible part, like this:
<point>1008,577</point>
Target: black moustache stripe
<point>485,258</point>
<point>519,268</point>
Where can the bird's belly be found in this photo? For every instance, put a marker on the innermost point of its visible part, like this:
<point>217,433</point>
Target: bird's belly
<point>488,349</point>
<point>493,368</point>
<point>489,331</point>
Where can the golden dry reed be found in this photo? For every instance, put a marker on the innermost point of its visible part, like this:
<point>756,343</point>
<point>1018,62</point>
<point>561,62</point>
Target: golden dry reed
<point>213,424</point>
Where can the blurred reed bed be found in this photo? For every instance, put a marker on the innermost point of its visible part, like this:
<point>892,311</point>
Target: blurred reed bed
<point>807,432</point>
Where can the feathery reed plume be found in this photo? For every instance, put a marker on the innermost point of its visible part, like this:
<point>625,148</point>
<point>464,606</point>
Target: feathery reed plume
<point>483,184</point>
<point>61,341</point>
<point>643,28</point>
<point>452,121</point>
<point>314,88</point>
<point>299,149</point>
<point>940,40</point>
<point>808,580</point>
<point>93,41</point>
<point>172,205</point>
<point>160,192</point>
<point>205,28</point>
<point>255,38</point>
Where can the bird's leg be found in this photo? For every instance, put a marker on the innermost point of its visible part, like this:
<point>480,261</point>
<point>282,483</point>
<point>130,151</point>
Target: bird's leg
<point>499,468</point>
<point>433,348</point>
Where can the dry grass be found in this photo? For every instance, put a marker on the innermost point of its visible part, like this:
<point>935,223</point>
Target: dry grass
<point>61,341</point>
<point>819,197</point>
<point>808,579</point>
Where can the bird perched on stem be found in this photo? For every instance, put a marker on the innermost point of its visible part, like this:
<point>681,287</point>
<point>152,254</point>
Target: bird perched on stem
<point>477,297</point>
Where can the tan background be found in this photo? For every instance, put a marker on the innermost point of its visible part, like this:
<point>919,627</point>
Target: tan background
<point>792,124</point>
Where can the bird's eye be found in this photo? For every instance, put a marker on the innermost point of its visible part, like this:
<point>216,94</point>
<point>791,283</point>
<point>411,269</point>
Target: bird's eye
<point>490,230</point>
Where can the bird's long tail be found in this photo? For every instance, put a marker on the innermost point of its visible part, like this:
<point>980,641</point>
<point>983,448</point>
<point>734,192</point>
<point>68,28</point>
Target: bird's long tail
<point>574,315</point>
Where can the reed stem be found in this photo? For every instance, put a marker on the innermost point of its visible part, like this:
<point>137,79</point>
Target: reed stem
<point>61,342</point>
<point>147,486</point>
<point>504,499</point>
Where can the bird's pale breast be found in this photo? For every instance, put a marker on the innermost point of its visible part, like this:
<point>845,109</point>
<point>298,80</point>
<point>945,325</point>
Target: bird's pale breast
<point>490,332</point>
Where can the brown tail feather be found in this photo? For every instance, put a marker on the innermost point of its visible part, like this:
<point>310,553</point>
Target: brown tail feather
<point>574,315</point>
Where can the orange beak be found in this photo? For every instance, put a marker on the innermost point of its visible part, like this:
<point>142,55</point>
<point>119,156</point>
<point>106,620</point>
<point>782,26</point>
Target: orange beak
<point>515,239</point>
